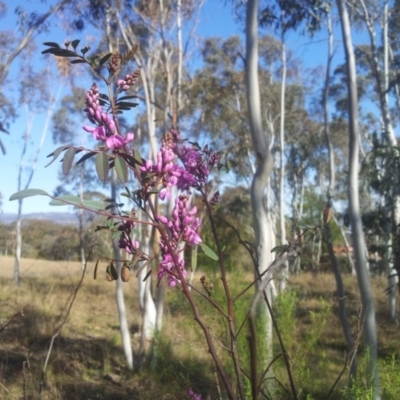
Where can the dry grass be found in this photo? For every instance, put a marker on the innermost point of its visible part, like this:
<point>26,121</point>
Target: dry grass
<point>87,360</point>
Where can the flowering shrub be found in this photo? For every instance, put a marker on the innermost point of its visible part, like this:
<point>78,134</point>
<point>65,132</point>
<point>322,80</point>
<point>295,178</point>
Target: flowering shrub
<point>178,164</point>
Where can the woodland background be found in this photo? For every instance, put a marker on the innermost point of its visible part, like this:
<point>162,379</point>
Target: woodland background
<point>200,84</point>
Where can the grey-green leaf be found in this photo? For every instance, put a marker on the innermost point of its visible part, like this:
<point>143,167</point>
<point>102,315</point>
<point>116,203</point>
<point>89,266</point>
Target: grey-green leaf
<point>283,248</point>
<point>104,59</point>
<point>56,153</point>
<point>68,160</point>
<point>71,200</point>
<point>121,169</point>
<point>208,252</point>
<point>93,204</point>
<point>75,43</point>
<point>28,193</point>
<point>66,200</point>
<point>52,44</point>
<point>102,166</point>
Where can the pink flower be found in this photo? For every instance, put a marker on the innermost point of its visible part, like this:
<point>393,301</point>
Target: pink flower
<point>115,142</point>
<point>98,132</point>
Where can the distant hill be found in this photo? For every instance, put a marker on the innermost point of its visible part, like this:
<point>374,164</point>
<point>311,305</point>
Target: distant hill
<point>63,218</point>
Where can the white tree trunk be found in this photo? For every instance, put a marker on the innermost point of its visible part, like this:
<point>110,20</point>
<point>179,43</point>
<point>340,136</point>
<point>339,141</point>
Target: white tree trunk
<point>382,91</point>
<point>264,163</point>
<point>341,295</point>
<point>147,304</point>
<point>119,294</point>
<point>26,138</point>
<point>285,269</point>
<point>364,284</point>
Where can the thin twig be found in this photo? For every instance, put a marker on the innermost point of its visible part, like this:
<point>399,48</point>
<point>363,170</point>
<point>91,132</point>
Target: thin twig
<point>4,388</point>
<point>21,313</point>
<point>349,356</point>
<point>24,381</point>
<point>217,381</point>
<point>57,331</point>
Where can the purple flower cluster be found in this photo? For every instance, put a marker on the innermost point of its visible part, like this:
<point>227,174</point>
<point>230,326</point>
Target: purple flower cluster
<point>125,242</point>
<point>130,79</point>
<point>197,164</point>
<point>192,395</point>
<point>164,169</point>
<point>194,164</point>
<point>182,228</point>
<point>105,129</point>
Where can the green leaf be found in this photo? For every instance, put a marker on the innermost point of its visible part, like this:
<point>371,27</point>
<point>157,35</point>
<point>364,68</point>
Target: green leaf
<point>75,43</point>
<point>208,252</point>
<point>93,204</point>
<point>59,52</point>
<point>112,270</point>
<point>133,96</point>
<point>85,157</point>
<point>56,153</point>
<point>51,44</point>
<point>69,199</point>
<point>121,169</point>
<point>66,200</point>
<point>104,59</point>
<point>104,97</point>
<point>128,56</point>
<point>102,166</point>
<point>138,157</point>
<point>116,235</point>
<point>127,105</point>
<point>28,193</point>
<point>79,61</point>
<point>131,161</point>
<point>85,50</point>
<point>68,160</point>
<point>92,59</point>
<point>282,248</point>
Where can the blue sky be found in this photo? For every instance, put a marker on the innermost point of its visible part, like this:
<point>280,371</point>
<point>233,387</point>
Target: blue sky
<point>47,178</point>
<point>216,20</point>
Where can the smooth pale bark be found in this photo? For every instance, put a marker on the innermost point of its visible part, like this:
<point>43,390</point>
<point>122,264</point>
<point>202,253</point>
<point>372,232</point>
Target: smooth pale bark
<point>393,268</point>
<point>382,86</point>
<point>119,294</point>
<point>147,305</point>
<point>180,62</point>
<point>26,139</point>
<point>264,162</point>
<point>340,292</point>
<point>81,221</point>
<point>363,278</point>
<point>285,269</point>
<point>148,73</point>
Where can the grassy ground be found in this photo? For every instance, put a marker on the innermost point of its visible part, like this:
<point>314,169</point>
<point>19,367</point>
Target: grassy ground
<point>87,361</point>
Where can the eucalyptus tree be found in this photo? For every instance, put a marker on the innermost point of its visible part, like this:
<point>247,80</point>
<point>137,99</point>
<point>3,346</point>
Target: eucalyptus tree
<point>329,204</point>
<point>264,164</point>
<point>368,309</point>
<point>15,43</point>
<point>372,16</point>
<point>36,98</point>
